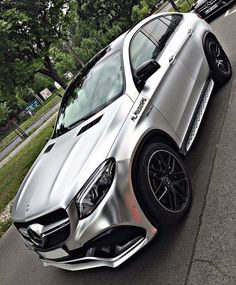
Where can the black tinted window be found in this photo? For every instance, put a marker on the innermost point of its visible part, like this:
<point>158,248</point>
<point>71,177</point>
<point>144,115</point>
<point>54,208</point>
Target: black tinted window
<point>151,39</point>
<point>162,28</point>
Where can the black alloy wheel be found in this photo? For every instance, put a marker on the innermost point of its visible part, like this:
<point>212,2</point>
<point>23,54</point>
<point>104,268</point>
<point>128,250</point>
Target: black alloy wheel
<point>218,61</point>
<point>165,189</point>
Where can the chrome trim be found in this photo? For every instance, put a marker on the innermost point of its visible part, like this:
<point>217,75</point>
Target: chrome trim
<point>92,262</point>
<point>47,230</point>
<point>200,114</point>
<point>42,231</point>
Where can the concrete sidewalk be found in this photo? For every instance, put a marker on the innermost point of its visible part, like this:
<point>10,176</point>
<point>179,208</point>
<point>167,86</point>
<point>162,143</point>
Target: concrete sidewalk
<point>214,256</point>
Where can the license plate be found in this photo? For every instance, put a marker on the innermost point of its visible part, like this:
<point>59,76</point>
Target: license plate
<point>211,8</point>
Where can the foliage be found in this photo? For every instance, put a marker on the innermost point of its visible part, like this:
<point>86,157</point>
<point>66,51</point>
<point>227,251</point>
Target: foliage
<point>63,61</point>
<point>183,6</point>
<point>29,29</point>
<point>4,112</point>
<point>103,13</point>
<point>40,82</point>
<point>140,11</point>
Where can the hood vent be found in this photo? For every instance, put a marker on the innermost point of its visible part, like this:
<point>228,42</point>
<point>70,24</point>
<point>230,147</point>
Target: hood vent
<point>89,125</point>
<point>49,148</point>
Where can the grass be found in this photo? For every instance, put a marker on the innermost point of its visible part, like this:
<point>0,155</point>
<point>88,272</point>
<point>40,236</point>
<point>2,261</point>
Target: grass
<point>39,112</point>
<point>13,172</point>
<point>4,226</point>
<point>183,6</point>
<point>52,101</point>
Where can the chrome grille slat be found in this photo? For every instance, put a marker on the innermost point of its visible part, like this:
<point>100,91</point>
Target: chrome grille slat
<point>206,6</point>
<point>57,228</point>
<point>54,230</point>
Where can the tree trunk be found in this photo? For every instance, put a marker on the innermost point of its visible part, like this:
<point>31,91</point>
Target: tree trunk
<point>76,56</point>
<point>51,72</point>
<point>174,5</point>
<point>53,76</point>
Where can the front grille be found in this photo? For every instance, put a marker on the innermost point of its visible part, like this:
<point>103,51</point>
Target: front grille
<point>54,230</point>
<point>207,5</point>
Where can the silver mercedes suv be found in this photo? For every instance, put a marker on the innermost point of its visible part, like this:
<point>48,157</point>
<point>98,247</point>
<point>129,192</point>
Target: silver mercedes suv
<point>112,173</point>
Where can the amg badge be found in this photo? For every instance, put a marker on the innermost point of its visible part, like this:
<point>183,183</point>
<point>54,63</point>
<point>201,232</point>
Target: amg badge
<point>139,109</point>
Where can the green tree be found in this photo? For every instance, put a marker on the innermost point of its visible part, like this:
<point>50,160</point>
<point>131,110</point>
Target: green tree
<point>29,30</point>
<point>140,11</point>
<point>103,13</point>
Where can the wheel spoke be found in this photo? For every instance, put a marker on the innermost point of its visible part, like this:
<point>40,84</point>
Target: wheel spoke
<point>176,173</point>
<point>175,199</point>
<point>172,166</point>
<point>163,194</point>
<point>154,169</point>
<point>158,188</point>
<point>223,65</point>
<point>178,181</point>
<point>214,49</point>
<point>169,160</point>
<point>170,200</point>
<point>181,196</point>
<point>162,161</point>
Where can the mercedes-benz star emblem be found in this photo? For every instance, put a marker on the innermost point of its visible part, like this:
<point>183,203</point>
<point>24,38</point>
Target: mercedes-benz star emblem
<point>35,232</point>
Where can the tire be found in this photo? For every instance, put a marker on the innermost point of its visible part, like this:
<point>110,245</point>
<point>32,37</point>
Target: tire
<point>164,189</point>
<point>218,61</point>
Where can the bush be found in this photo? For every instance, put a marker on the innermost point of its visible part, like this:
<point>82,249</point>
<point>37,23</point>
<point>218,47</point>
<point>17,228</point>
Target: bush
<point>4,113</point>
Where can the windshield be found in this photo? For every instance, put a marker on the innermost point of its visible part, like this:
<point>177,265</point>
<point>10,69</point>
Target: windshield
<point>101,86</point>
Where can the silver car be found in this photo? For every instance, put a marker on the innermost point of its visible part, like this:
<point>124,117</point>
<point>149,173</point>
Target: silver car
<point>112,173</point>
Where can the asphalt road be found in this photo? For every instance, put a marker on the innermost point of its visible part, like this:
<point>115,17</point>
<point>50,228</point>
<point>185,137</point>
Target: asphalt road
<point>36,124</point>
<point>167,259</point>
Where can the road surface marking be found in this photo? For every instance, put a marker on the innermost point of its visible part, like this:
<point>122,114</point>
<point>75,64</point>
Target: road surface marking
<point>229,12</point>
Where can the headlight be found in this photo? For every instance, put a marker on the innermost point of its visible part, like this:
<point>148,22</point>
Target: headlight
<point>95,188</point>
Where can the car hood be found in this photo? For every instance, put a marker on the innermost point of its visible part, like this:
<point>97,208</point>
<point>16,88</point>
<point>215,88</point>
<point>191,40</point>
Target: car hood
<point>58,174</point>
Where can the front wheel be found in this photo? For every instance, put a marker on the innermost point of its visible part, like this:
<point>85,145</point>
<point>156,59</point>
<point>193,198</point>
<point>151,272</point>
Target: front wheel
<point>164,188</point>
<point>218,61</point>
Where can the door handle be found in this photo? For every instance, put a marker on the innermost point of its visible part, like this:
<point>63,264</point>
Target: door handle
<point>190,32</point>
<point>172,60</point>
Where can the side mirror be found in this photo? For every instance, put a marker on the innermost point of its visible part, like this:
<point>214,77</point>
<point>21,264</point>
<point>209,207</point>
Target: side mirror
<point>146,69</point>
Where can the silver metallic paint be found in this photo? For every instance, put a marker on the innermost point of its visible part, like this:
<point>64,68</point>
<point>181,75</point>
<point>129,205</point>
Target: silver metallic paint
<point>57,176</point>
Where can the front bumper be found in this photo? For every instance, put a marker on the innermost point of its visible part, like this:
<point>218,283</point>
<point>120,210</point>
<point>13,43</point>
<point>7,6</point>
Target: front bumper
<point>208,11</point>
<point>110,235</point>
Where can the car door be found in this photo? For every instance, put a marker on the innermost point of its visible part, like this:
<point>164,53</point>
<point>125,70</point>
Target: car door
<point>171,87</point>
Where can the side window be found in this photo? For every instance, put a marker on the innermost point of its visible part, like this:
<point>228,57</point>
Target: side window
<point>162,28</point>
<point>151,39</point>
<point>141,49</point>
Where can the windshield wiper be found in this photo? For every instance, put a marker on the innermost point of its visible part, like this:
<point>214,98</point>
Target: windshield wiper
<point>62,130</point>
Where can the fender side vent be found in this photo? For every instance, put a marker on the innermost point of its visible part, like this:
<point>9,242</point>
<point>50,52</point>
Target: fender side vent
<point>89,125</point>
<point>49,148</point>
